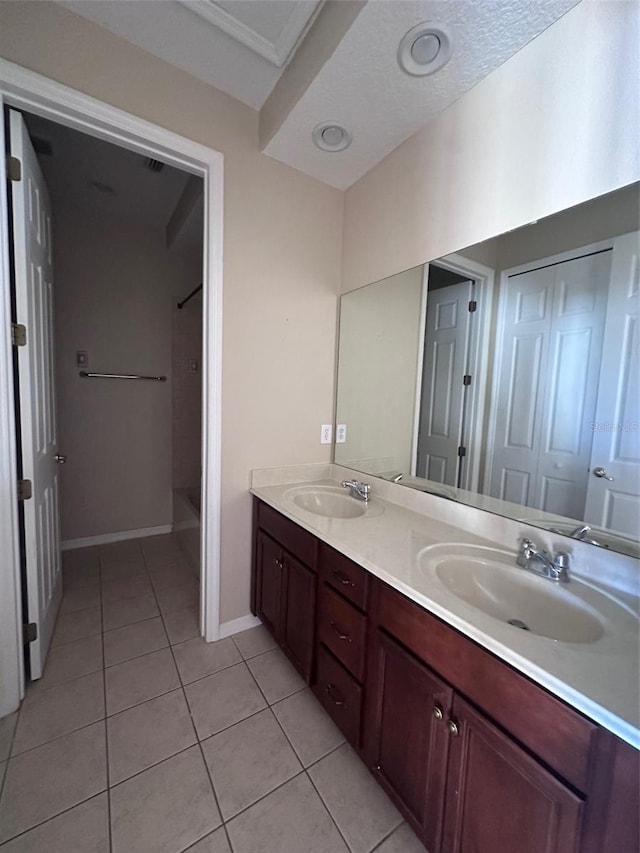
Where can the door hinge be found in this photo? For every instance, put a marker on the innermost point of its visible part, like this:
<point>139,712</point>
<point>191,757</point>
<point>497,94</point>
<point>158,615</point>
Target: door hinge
<point>462,451</point>
<point>14,169</point>
<point>466,379</point>
<point>29,633</point>
<point>473,305</point>
<point>18,335</point>
<point>25,490</point>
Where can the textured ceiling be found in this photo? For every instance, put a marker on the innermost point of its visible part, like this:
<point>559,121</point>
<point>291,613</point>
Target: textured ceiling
<point>363,88</point>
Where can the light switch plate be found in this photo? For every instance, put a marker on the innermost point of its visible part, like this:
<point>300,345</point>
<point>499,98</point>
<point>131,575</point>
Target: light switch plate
<point>326,431</point>
<point>341,433</point>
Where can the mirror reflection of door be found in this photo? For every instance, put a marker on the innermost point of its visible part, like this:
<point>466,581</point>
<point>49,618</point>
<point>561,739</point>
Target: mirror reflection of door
<point>440,451</point>
<point>549,366</point>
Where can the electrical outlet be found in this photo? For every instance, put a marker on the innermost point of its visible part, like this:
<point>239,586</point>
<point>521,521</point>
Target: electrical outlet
<point>325,433</point>
<point>341,433</point>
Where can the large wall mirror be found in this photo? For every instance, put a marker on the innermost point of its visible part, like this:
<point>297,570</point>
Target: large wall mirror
<point>507,375</point>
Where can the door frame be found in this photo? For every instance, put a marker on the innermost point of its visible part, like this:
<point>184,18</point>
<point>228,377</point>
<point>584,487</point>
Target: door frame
<point>505,274</point>
<point>484,278</point>
<point>27,90</point>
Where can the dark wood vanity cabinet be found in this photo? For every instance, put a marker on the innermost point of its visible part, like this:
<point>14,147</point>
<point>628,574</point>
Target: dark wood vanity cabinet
<point>477,757</point>
<point>284,585</point>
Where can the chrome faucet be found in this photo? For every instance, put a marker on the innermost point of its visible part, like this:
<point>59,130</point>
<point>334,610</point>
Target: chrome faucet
<point>396,478</point>
<point>555,567</point>
<point>361,491</point>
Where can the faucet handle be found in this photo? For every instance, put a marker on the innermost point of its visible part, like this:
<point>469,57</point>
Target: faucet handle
<point>561,566</point>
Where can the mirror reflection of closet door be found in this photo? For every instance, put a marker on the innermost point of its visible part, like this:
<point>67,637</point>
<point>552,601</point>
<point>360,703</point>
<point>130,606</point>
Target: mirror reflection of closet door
<point>442,398</point>
<point>551,344</point>
<point>613,494</point>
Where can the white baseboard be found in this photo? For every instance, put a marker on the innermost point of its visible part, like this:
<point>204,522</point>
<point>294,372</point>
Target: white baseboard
<point>237,625</point>
<point>106,538</point>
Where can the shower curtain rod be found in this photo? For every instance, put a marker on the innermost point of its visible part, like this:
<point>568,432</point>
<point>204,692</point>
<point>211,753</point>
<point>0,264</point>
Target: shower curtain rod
<point>190,296</point>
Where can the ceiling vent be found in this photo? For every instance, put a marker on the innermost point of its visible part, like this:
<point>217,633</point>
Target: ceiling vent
<point>154,165</point>
<point>425,49</point>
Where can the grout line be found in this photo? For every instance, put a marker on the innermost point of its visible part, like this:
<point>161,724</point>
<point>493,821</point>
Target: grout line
<point>53,817</point>
<point>104,700</point>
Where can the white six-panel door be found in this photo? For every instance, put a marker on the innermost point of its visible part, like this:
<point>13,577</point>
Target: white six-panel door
<point>550,346</point>
<point>38,433</point>
<point>442,397</point>
<point>615,503</point>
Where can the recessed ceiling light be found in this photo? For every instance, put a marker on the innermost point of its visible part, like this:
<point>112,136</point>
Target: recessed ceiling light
<point>425,49</point>
<point>330,136</point>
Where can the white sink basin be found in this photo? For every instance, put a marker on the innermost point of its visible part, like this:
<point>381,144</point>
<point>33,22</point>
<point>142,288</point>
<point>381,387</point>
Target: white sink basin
<point>488,579</point>
<point>331,502</point>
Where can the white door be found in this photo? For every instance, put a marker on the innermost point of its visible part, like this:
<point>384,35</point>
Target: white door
<point>615,503</point>
<point>33,262</point>
<point>442,397</point>
<point>548,373</point>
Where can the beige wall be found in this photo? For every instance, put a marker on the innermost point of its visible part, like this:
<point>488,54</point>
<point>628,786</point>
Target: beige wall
<point>281,264</point>
<point>113,298</point>
<point>554,126</point>
<point>377,368</point>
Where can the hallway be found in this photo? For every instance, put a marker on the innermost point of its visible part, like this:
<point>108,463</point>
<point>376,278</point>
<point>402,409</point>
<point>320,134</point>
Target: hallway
<point>142,738</point>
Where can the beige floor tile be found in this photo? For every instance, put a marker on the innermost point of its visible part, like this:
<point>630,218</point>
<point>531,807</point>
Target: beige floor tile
<point>216,842</point>
<point>137,680</point>
<point>3,768</point>
<point>52,778</point>
<point>83,828</point>
<point>402,840</point>
<point>170,559</point>
<point>310,730</point>
<point>135,640</point>
<point>50,713</point>
<point>116,614</point>
<point>171,576</point>
<point>363,812</point>
<point>182,624</point>
<point>275,675</point>
<point>164,809</point>
<point>248,761</point>
<point>126,551</point>
<point>218,701</point>
<point>7,728</point>
<point>80,598</point>
<point>186,593</point>
<point>120,569</point>
<point>292,819</point>
<point>73,626</point>
<point>147,734</point>
<point>64,663</point>
<point>254,642</point>
<point>197,658</point>
<point>78,576</point>
<point>81,559</point>
<point>131,587</point>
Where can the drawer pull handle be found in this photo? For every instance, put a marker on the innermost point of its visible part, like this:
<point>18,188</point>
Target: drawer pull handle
<point>329,690</point>
<point>342,579</point>
<point>453,728</point>
<point>337,630</point>
<point>437,712</point>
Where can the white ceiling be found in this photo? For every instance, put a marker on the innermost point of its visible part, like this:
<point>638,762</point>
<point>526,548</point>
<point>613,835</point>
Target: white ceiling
<point>243,46</point>
<point>238,46</point>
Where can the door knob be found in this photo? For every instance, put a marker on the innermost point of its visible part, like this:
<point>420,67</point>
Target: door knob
<point>60,459</point>
<point>602,474</point>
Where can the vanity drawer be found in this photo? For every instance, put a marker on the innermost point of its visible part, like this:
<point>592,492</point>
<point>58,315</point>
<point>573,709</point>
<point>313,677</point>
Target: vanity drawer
<point>291,536</point>
<point>350,579</point>
<point>343,630</point>
<point>339,694</point>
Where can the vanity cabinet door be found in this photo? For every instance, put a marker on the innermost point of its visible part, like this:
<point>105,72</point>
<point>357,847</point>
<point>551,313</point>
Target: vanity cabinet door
<point>299,616</point>
<point>406,738</point>
<point>499,798</point>
<point>269,583</point>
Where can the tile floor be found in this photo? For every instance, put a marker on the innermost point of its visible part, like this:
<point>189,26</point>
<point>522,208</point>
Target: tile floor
<point>142,738</point>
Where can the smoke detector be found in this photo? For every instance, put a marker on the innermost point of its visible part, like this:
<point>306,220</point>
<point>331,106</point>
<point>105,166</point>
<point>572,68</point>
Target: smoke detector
<point>331,136</point>
<point>425,49</point>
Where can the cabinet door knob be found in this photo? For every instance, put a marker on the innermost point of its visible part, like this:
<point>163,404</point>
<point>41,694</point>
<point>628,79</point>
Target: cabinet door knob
<point>437,712</point>
<point>329,691</point>
<point>337,630</point>
<point>342,579</point>
<point>454,731</point>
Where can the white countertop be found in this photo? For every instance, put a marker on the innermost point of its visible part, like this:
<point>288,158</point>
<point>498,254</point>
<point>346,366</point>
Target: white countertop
<point>601,679</point>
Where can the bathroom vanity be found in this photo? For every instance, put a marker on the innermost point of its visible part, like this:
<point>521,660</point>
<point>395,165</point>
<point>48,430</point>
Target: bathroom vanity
<point>467,739</point>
